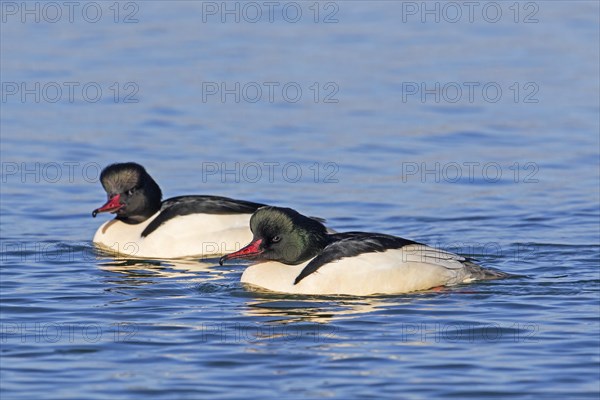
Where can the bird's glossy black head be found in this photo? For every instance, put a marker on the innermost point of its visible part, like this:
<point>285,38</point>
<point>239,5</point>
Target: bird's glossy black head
<point>132,194</point>
<point>284,235</point>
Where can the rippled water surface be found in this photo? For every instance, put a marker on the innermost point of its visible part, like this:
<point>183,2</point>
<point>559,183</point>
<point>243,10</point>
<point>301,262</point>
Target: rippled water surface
<point>481,137</point>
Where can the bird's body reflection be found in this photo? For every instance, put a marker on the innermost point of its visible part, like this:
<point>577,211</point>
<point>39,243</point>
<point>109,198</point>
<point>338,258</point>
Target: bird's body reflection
<point>145,268</point>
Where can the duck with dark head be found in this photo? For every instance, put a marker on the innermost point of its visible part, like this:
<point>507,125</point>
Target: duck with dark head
<point>296,254</point>
<point>185,226</point>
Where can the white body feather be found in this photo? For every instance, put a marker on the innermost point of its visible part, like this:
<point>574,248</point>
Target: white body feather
<point>408,269</point>
<point>197,235</point>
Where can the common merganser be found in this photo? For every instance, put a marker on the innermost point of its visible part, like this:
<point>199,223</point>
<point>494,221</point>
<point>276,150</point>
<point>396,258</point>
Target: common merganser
<point>182,226</point>
<point>295,254</point>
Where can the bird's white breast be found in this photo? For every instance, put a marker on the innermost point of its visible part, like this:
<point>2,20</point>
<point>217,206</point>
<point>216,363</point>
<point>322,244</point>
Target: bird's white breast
<point>184,236</point>
<point>411,268</point>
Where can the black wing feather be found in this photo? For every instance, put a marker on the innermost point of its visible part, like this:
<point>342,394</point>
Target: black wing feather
<point>351,244</point>
<point>185,205</point>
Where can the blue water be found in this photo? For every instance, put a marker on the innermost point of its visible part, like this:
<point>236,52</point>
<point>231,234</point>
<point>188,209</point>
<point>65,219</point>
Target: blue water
<point>377,129</point>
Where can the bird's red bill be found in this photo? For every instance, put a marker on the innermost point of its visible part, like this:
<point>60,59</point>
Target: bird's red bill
<point>112,205</point>
<point>250,251</point>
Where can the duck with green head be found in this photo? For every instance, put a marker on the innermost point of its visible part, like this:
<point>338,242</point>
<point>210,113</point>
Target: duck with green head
<point>296,254</point>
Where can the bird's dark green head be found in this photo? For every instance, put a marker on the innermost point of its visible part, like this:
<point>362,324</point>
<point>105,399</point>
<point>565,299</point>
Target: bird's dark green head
<point>132,193</point>
<point>284,235</point>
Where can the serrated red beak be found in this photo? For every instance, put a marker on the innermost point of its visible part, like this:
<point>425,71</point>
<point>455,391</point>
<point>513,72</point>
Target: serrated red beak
<point>112,205</point>
<point>250,251</point>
